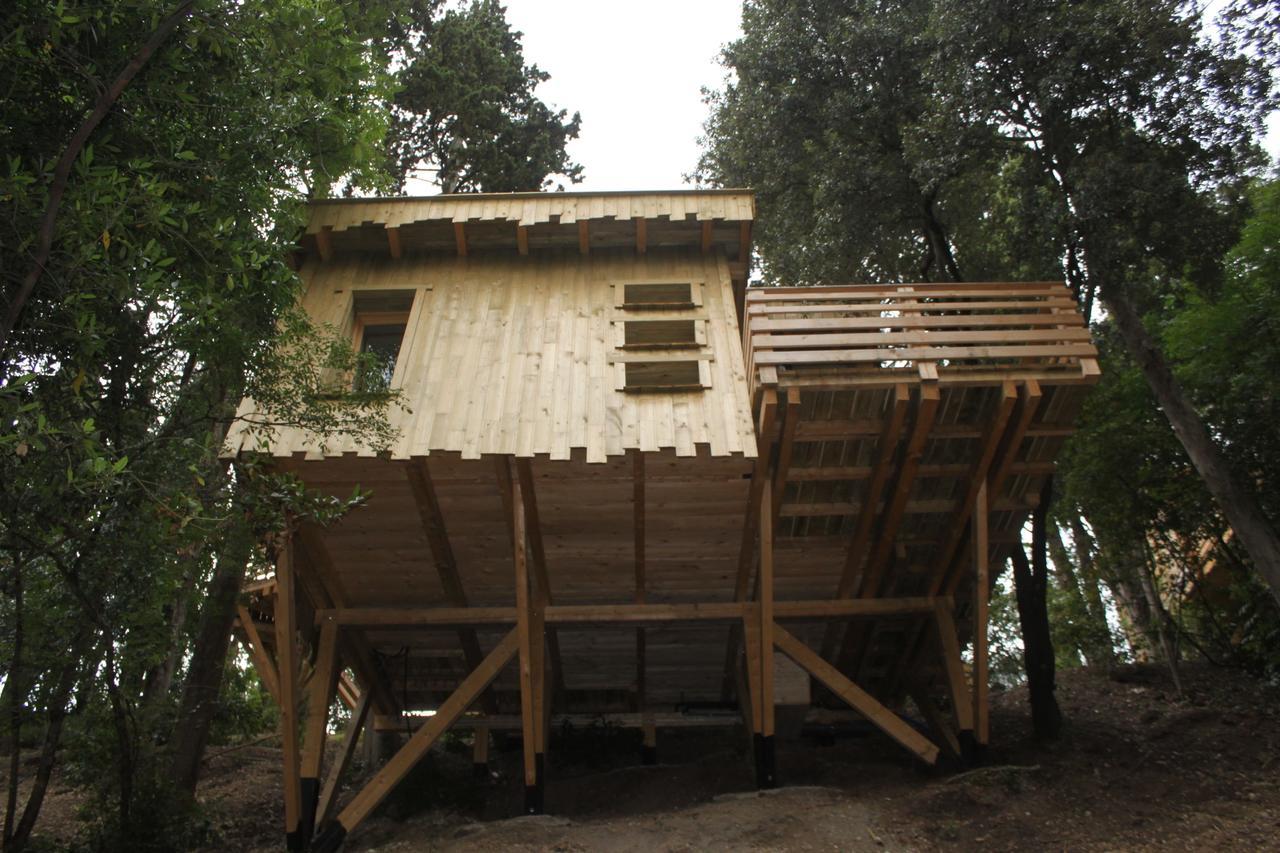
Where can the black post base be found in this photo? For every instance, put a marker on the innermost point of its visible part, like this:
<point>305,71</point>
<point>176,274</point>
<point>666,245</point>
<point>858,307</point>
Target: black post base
<point>330,838</point>
<point>293,841</point>
<point>533,794</point>
<point>649,755</point>
<point>480,771</point>
<point>310,800</point>
<point>968,748</point>
<point>766,762</point>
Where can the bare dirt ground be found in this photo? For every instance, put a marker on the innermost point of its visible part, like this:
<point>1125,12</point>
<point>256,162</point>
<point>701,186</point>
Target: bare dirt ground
<point>1138,768</point>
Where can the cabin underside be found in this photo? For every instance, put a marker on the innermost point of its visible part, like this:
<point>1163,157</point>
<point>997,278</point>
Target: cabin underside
<point>904,433</point>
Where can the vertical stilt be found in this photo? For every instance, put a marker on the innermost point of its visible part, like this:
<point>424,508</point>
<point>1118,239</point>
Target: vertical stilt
<point>529,716</point>
<point>767,776</point>
<point>480,753</point>
<point>287,659</point>
<point>324,682</point>
<point>981,604</point>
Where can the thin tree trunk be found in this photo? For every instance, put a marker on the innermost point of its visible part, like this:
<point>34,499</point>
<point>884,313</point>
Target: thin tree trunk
<point>1096,646</point>
<point>208,661</point>
<point>1031,587</point>
<point>1090,584</point>
<point>13,686</point>
<point>57,705</point>
<point>62,171</point>
<point>1252,527</point>
<point>1163,624</point>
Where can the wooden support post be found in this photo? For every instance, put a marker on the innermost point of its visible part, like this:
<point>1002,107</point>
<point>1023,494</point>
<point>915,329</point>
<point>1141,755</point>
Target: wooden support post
<point>981,601</point>
<point>641,235</point>
<point>262,662</point>
<point>760,481</point>
<point>706,237</point>
<point>393,242</point>
<point>460,238</point>
<point>853,695</point>
<point>524,632</point>
<point>333,781</point>
<point>324,680</point>
<point>541,577</point>
<point>944,733</point>
<point>287,657</point>
<point>480,752</point>
<point>522,239</point>
<point>766,776</point>
<point>953,668</point>
<point>649,749</point>
<point>331,837</point>
<point>584,237</point>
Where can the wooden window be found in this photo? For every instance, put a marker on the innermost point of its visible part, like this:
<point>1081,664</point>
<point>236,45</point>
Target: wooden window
<point>658,295</point>
<point>381,318</point>
<point>660,334</point>
<point>663,376</point>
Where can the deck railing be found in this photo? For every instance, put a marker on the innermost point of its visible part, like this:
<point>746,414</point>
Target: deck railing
<point>877,335</point>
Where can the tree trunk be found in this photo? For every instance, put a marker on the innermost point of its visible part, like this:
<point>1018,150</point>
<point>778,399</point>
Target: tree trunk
<point>13,687</point>
<point>1096,644</point>
<point>1090,585</point>
<point>208,661</point>
<point>1252,527</point>
<point>57,714</point>
<point>1031,587</point>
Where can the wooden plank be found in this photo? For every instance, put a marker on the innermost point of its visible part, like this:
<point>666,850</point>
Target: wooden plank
<point>850,608</point>
<point>584,237</point>
<point>927,401</point>
<point>393,243</point>
<point>791,419</point>
<point>262,663</point>
<point>928,289</point>
<point>641,235</point>
<point>522,239</point>
<point>427,502</point>
<point>706,237</point>
<point>541,576</point>
<point>320,690</point>
<point>417,617</point>
<point>524,630</point>
<point>981,595</point>
<point>460,238</point>
<point>938,724</point>
<point>324,243</point>
<point>766,614</point>
<point>411,753</point>
<point>994,435</point>
<point>953,666</point>
<point>919,338</point>
<point>854,696</point>
<point>927,321</point>
<point>333,781</point>
<point>863,472</point>
<point>604,614</point>
<point>917,353</point>
<point>286,656</point>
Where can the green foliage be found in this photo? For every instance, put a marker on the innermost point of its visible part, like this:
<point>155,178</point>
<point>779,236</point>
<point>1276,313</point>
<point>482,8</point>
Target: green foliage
<point>466,108</point>
<point>165,300</point>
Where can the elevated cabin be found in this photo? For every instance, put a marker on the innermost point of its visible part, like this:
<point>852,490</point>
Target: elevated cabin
<point>626,484</point>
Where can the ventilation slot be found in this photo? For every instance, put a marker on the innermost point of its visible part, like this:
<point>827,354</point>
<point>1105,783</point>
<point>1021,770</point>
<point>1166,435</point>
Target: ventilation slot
<point>663,376</point>
<point>658,296</point>
<point>660,334</point>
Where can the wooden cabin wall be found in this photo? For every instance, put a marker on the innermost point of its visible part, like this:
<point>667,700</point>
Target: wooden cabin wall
<point>510,354</point>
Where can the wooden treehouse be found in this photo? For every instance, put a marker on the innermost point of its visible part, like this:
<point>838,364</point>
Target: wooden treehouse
<point>626,484</point>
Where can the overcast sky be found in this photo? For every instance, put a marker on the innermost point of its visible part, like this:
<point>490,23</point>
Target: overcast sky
<point>635,71</point>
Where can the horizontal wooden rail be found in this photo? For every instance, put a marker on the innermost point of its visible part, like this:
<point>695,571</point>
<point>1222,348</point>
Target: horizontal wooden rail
<point>621,614</point>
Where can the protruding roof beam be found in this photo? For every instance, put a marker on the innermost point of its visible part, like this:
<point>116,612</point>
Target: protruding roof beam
<point>393,242</point>
<point>642,235</point>
<point>460,238</point>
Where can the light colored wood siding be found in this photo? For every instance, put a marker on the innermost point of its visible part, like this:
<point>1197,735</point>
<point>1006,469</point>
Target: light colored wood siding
<point>519,355</point>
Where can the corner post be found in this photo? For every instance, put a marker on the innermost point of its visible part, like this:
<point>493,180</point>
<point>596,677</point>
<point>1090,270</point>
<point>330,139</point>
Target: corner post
<point>981,607</point>
<point>766,755</point>
<point>287,659</point>
<point>530,716</point>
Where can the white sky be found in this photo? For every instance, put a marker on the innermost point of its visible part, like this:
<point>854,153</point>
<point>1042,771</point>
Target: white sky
<point>636,71</point>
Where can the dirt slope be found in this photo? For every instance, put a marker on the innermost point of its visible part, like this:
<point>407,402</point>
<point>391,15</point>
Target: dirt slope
<point>1138,769</point>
